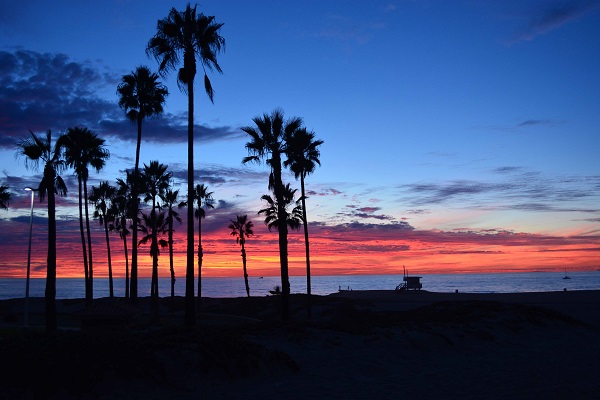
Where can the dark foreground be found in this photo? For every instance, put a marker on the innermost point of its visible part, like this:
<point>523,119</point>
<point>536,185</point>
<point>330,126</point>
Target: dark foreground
<point>372,344</point>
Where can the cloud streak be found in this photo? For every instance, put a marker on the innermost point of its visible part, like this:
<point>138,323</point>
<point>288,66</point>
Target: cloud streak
<point>552,17</point>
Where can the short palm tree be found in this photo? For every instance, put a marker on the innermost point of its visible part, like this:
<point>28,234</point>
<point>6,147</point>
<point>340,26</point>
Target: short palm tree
<point>292,218</point>
<point>155,182</point>
<point>5,196</point>
<point>36,150</point>
<point>189,36</point>
<point>142,96</point>
<point>123,211</point>
<point>83,149</point>
<point>302,158</point>
<point>102,198</point>
<point>203,200</point>
<point>241,229</point>
<point>169,199</point>
<point>154,225</point>
<point>268,143</point>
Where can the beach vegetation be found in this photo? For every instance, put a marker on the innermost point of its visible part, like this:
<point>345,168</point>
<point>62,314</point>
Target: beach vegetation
<point>169,201</point>
<point>83,149</point>
<point>193,37</point>
<point>141,96</point>
<point>241,229</point>
<point>5,196</point>
<point>36,150</point>
<point>267,144</point>
<point>102,198</point>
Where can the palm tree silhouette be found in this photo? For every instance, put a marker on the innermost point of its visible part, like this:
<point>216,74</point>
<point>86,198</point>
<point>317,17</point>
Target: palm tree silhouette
<point>123,205</point>
<point>302,157</point>
<point>203,198</point>
<point>292,218</point>
<point>82,149</point>
<point>267,143</point>
<point>5,196</point>
<point>36,150</point>
<point>169,199</point>
<point>141,95</point>
<point>102,198</point>
<point>185,34</point>
<point>241,228</point>
<point>155,182</point>
<point>153,225</point>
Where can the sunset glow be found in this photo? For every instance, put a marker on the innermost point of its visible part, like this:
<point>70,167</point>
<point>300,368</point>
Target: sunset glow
<point>459,137</point>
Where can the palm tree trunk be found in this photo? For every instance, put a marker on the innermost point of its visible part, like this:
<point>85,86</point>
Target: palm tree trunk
<point>88,298</point>
<point>190,311</point>
<point>305,223</point>
<point>200,256</point>
<point>50,298</point>
<point>154,284</point>
<point>89,239</point>
<point>126,267</point>
<point>110,277</point>
<point>134,234</point>
<point>245,271</point>
<point>283,231</point>
<point>171,254</point>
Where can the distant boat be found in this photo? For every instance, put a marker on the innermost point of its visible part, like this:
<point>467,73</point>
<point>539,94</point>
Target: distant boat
<point>566,276</point>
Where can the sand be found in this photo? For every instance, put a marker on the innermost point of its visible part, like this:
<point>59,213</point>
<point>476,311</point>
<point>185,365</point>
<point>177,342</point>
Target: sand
<point>358,345</point>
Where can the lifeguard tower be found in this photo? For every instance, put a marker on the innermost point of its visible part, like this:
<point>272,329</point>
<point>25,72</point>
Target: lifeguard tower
<point>409,282</point>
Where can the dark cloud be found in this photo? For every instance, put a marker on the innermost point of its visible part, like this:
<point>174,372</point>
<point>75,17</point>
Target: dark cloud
<point>42,91</point>
<point>553,16</point>
<point>324,192</point>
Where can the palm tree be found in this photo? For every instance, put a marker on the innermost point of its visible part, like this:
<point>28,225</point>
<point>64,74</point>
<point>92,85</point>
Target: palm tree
<point>241,228</point>
<point>187,35</point>
<point>82,149</point>
<point>141,95</point>
<point>169,199</point>
<point>154,224</point>
<point>302,157</point>
<point>203,198</point>
<point>155,181</point>
<point>292,218</point>
<point>38,149</point>
<point>123,211</point>
<point>267,143</point>
<point>102,198</point>
<point>5,196</point>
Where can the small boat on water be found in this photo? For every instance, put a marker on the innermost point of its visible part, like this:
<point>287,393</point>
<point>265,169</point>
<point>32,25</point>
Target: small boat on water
<point>566,276</point>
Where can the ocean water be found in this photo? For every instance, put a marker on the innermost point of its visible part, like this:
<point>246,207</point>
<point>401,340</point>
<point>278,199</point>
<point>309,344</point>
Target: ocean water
<point>68,288</point>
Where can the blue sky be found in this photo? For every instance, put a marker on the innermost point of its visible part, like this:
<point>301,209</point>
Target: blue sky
<point>476,116</point>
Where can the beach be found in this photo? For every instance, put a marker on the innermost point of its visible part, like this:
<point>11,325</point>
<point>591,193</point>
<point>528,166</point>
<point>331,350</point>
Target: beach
<point>358,344</point>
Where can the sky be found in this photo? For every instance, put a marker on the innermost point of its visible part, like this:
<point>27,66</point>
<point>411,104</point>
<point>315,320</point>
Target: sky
<point>459,137</point>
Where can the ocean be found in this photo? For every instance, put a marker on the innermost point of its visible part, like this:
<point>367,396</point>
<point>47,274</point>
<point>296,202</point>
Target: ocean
<point>69,288</point>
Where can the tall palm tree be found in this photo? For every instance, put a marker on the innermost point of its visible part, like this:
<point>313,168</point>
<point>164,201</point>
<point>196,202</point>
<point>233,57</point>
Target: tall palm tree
<point>5,196</point>
<point>141,96</point>
<point>123,210</point>
<point>169,199</point>
<point>83,149</point>
<point>154,225</point>
<point>293,218</point>
<point>187,35</point>
<point>36,150</point>
<point>155,181</point>
<point>267,143</point>
<point>302,158</point>
<point>102,198</point>
<point>203,199</point>
<point>241,229</point>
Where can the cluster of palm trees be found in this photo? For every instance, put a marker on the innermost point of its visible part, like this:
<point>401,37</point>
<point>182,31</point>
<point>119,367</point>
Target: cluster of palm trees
<point>183,41</point>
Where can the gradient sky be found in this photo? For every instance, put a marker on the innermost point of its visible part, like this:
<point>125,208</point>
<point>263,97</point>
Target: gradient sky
<point>460,136</point>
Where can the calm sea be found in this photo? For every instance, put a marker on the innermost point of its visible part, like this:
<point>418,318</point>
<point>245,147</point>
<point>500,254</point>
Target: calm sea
<point>68,288</point>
